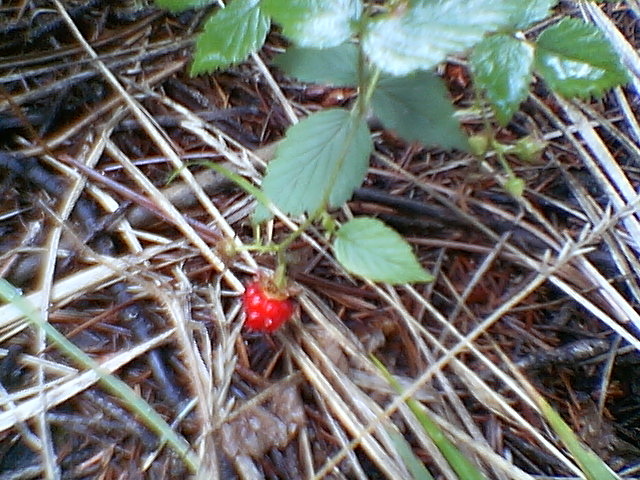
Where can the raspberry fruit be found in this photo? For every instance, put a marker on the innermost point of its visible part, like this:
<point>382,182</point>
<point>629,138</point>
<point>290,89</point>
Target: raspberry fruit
<point>265,311</point>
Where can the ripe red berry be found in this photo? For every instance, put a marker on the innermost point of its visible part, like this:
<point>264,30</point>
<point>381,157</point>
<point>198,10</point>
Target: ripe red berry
<point>265,312</point>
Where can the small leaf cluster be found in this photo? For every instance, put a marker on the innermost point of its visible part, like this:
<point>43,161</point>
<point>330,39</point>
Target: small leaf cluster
<point>388,52</point>
<point>573,57</point>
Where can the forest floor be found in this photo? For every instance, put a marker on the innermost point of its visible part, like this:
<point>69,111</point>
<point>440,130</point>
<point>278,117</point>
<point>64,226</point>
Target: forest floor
<point>547,285</point>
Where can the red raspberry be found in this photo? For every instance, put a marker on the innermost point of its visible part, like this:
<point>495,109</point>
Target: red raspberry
<point>265,312</point>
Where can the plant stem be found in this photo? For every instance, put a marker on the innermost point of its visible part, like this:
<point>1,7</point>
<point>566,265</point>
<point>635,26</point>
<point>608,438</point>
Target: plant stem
<point>503,161</point>
<point>281,248</point>
<point>300,230</point>
<point>493,143</point>
<point>365,98</point>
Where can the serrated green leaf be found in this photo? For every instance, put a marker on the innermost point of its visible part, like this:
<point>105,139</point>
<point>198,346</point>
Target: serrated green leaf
<point>324,157</point>
<point>530,12</point>
<point>315,23</point>
<point>330,66</point>
<point>417,107</point>
<point>576,60</point>
<point>422,35</point>
<point>182,5</point>
<point>501,66</point>
<point>368,248</point>
<point>230,35</point>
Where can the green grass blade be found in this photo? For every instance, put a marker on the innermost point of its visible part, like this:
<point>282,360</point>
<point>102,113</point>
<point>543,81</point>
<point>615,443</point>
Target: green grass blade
<point>411,461</point>
<point>112,384</point>
<point>239,180</point>
<point>591,465</point>
<point>456,459</point>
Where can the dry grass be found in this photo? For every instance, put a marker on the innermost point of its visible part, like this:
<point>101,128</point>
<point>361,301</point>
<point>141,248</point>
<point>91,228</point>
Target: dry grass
<point>551,280</point>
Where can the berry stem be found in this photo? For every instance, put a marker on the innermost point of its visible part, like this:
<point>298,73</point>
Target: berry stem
<point>280,276</point>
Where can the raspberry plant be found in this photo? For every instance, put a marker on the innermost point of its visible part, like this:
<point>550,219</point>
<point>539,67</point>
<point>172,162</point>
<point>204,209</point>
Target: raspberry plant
<point>388,51</point>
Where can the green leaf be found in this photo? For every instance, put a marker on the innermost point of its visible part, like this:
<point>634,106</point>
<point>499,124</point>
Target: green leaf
<point>576,60</point>
<point>182,5</point>
<point>501,66</point>
<point>531,12</point>
<point>230,35</point>
<point>315,23</point>
<point>322,158</point>
<point>417,106</point>
<point>368,248</point>
<point>330,66</point>
<point>422,35</point>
